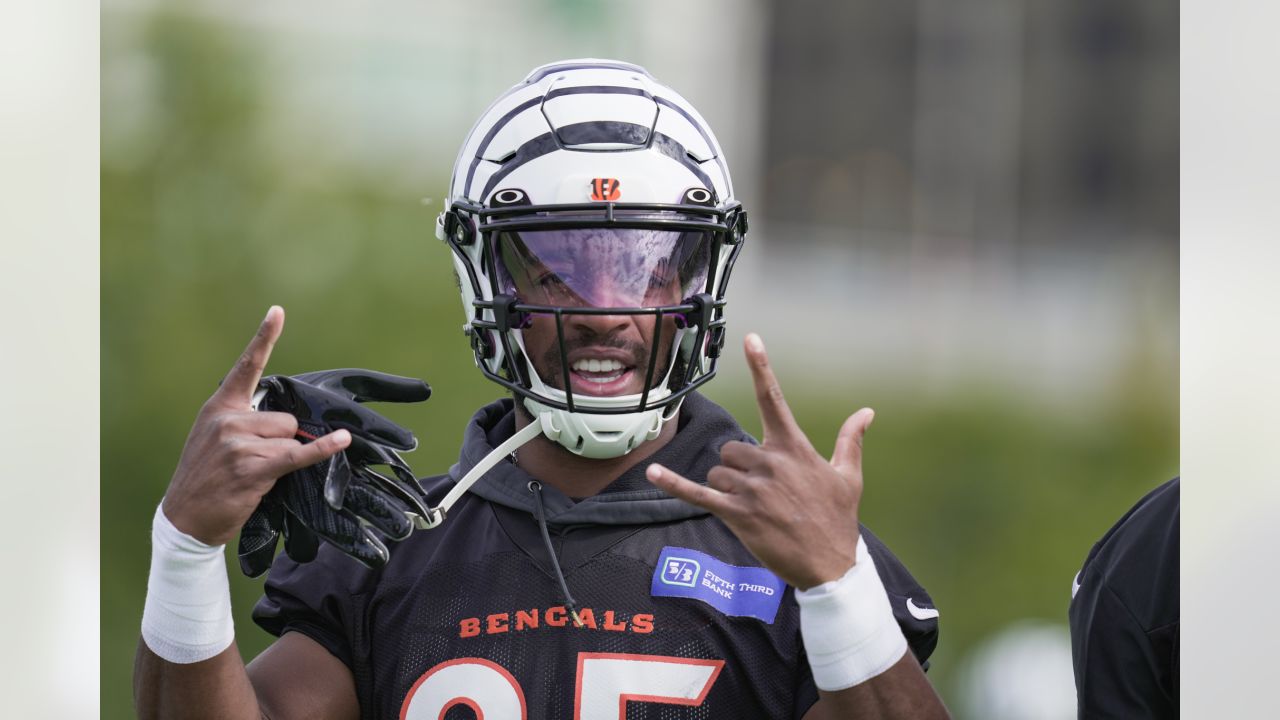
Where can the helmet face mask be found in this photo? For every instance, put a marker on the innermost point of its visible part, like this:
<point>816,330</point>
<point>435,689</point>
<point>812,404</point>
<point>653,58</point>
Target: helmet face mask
<point>601,314</point>
<point>625,271</point>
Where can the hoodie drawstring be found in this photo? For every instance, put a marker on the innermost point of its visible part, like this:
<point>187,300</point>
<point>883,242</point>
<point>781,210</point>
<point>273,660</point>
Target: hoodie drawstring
<point>536,488</point>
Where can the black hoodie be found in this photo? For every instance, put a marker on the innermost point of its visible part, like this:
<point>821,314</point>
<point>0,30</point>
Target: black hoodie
<point>674,611</point>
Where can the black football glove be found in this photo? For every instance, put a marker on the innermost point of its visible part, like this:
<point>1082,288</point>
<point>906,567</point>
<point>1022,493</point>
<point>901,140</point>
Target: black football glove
<point>343,500</point>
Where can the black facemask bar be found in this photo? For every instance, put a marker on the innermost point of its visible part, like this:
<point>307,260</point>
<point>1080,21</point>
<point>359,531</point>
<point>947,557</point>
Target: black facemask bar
<point>466,223</point>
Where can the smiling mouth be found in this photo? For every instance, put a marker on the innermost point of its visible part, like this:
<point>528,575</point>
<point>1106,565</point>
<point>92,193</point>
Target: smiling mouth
<point>599,371</point>
<point>601,376</point>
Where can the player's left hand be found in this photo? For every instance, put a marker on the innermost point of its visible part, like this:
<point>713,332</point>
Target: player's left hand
<point>794,510</point>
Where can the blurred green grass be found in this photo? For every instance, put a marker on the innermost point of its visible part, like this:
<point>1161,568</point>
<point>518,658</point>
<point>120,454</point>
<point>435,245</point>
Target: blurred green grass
<point>992,499</point>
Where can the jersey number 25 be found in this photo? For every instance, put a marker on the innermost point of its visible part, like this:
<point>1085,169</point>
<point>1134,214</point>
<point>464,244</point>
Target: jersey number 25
<point>605,683</point>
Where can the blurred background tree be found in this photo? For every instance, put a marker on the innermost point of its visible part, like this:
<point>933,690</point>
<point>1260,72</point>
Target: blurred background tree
<point>965,218</point>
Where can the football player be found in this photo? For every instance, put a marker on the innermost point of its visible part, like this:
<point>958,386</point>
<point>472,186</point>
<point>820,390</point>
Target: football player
<point>610,543</point>
<point>1124,614</point>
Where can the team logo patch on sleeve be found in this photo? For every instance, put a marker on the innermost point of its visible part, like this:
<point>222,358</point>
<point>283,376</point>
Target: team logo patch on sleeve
<point>737,591</point>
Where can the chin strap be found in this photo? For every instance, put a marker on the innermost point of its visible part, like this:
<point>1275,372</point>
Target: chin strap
<point>436,515</point>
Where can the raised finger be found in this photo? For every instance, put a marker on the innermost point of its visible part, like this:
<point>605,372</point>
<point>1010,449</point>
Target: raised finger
<point>741,455</point>
<point>847,455</point>
<point>775,414</point>
<point>290,455</point>
<point>239,385</point>
<point>681,487</point>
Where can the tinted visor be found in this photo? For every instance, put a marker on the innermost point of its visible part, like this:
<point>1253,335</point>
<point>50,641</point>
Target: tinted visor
<point>602,267</point>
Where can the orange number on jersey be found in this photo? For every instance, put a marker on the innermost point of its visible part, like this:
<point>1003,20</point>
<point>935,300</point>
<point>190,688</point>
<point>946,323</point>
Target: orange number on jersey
<point>486,687</point>
<point>606,682</point>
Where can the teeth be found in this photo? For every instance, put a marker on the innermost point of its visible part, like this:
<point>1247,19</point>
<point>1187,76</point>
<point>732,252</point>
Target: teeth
<point>595,366</point>
<point>604,378</point>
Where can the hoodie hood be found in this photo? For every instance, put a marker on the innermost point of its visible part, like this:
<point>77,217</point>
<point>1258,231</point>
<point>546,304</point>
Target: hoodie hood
<point>630,499</point>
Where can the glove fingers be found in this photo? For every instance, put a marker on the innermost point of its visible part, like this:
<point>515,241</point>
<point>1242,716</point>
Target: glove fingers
<point>262,527</point>
<point>337,478</point>
<point>340,528</point>
<point>257,562</point>
<point>372,386</point>
<point>383,511</point>
<point>369,385</point>
<point>369,550</point>
<point>408,493</point>
<point>343,530</point>
<point>331,408</point>
<point>299,541</point>
<point>407,478</point>
<point>368,424</point>
<point>409,485</point>
<point>363,454</point>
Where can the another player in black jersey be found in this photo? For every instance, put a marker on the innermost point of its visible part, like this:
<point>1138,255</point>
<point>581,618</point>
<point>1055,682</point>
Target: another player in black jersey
<point>1124,614</point>
<point>611,544</point>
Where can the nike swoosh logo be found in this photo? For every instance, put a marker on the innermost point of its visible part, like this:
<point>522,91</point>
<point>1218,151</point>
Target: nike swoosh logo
<point>1075,585</point>
<point>920,613</point>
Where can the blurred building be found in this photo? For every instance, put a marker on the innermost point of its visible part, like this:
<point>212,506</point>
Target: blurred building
<point>976,129</point>
<point>975,189</point>
<point>983,190</point>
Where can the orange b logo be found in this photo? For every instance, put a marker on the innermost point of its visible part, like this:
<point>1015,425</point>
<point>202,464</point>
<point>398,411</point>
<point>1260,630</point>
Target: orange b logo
<point>605,189</point>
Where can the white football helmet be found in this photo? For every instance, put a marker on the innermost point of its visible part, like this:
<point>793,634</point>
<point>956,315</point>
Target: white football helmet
<point>593,164</point>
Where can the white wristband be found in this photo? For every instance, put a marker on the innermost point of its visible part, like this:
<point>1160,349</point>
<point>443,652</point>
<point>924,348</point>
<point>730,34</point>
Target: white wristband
<point>848,628</point>
<point>187,616</point>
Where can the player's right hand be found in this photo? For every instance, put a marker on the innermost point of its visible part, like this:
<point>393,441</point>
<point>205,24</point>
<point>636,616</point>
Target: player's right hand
<point>235,454</point>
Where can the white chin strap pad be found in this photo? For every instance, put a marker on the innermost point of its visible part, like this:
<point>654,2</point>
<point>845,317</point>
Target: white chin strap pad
<point>600,436</point>
<point>595,435</point>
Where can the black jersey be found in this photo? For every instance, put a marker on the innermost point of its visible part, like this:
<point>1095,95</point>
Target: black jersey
<point>1124,615</point>
<point>678,619</point>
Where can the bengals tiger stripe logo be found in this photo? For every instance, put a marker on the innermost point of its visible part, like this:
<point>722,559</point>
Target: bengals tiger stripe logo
<point>605,189</point>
